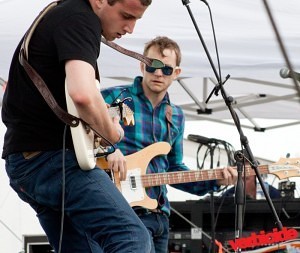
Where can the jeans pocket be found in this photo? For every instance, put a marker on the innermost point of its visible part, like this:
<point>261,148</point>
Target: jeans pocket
<point>16,166</point>
<point>37,179</point>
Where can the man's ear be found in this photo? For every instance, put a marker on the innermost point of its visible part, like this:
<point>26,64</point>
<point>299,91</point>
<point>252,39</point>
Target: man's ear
<point>142,67</point>
<point>99,3</point>
<point>177,72</point>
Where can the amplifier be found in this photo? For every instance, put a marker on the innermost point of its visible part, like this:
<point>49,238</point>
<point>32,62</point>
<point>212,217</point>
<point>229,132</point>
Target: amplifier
<point>183,238</point>
<point>287,189</point>
<point>257,217</point>
<point>182,242</point>
<point>36,244</point>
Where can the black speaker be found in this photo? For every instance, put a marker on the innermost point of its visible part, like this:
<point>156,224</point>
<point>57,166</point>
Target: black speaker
<point>257,217</point>
<point>287,189</point>
<point>37,244</point>
<point>183,238</point>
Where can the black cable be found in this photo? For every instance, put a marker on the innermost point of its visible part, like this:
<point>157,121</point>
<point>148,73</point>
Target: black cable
<point>197,156</point>
<point>212,213</point>
<point>63,190</point>
<point>219,156</point>
<point>114,101</point>
<point>210,149</point>
<point>214,36</point>
<point>219,209</point>
<point>231,162</point>
<point>106,151</point>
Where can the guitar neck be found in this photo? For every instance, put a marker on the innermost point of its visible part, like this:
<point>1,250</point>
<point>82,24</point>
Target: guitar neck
<point>284,168</point>
<point>156,179</point>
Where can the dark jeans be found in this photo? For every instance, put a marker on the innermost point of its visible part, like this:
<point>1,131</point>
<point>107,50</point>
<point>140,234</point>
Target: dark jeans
<point>96,216</point>
<point>158,228</point>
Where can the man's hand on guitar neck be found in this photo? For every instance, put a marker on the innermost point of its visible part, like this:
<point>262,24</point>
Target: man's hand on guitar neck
<point>117,163</point>
<point>229,176</point>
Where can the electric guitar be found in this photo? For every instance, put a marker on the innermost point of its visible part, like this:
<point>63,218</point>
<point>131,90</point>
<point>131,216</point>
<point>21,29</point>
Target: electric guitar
<point>86,142</point>
<point>133,188</point>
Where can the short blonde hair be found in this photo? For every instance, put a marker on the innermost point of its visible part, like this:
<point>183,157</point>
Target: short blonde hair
<point>163,42</point>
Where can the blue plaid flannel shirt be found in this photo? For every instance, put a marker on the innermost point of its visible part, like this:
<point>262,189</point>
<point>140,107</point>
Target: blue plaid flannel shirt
<point>150,127</point>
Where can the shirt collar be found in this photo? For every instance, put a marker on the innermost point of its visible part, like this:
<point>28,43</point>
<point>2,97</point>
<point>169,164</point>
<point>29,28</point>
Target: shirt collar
<point>137,89</point>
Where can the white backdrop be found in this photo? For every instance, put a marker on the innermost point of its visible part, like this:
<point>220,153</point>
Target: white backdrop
<point>246,41</point>
<point>247,47</point>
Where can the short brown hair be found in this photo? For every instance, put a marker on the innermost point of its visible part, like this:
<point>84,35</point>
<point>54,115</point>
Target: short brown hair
<point>163,42</point>
<point>143,2</point>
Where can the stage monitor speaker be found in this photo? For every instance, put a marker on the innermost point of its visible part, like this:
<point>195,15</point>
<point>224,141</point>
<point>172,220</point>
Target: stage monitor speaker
<point>183,238</point>
<point>36,244</point>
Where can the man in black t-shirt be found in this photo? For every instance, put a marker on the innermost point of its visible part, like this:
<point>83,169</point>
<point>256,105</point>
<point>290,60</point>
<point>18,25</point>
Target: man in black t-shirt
<point>80,210</point>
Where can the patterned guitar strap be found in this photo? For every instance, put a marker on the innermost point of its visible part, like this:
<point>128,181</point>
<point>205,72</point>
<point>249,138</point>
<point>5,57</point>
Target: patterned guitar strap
<point>169,120</point>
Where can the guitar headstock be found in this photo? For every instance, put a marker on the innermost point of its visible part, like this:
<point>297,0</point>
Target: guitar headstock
<point>127,113</point>
<point>285,168</point>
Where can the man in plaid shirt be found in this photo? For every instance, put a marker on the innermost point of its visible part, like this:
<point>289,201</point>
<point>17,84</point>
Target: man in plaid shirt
<point>157,119</point>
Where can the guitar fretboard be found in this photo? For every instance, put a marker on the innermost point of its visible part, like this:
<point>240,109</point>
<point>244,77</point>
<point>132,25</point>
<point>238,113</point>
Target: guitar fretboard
<point>156,179</point>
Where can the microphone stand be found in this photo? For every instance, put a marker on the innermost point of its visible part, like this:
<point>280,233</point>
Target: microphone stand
<point>244,141</point>
<point>239,197</point>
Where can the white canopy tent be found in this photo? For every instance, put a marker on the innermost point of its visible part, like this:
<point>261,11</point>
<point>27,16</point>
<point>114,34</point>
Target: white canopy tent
<point>249,53</point>
<point>247,45</point>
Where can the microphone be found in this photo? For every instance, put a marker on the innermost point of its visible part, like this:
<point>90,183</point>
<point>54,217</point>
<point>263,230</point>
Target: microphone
<point>203,140</point>
<point>287,73</point>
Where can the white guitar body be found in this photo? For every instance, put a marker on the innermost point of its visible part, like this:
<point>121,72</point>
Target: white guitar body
<point>83,137</point>
<point>86,143</point>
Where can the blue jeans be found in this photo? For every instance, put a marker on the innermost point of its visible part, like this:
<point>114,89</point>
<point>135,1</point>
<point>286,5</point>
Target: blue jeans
<point>96,216</point>
<point>158,228</point>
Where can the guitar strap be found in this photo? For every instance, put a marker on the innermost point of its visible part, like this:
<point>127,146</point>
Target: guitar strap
<point>37,79</point>
<point>169,119</point>
<point>127,52</point>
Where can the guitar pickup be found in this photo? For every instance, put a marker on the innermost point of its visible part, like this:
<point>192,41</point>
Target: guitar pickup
<point>132,182</point>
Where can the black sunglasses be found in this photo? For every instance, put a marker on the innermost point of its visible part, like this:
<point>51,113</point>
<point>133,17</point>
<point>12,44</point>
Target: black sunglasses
<point>157,64</point>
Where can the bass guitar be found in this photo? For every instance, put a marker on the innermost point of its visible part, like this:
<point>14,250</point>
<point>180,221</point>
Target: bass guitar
<point>133,188</point>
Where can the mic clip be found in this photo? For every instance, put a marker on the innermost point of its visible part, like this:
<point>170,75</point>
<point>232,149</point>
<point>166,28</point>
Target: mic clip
<point>217,88</point>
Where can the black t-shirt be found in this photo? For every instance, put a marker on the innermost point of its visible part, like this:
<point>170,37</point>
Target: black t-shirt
<point>70,30</point>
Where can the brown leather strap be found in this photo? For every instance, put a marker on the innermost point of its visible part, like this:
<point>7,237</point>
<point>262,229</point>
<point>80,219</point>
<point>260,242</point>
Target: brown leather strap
<point>130,53</point>
<point>29,32</point>
<point>169,119</point>
<point>37,79</point>
<point>47,95</point>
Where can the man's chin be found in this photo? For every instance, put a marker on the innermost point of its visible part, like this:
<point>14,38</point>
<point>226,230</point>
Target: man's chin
<point>109,38</point>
